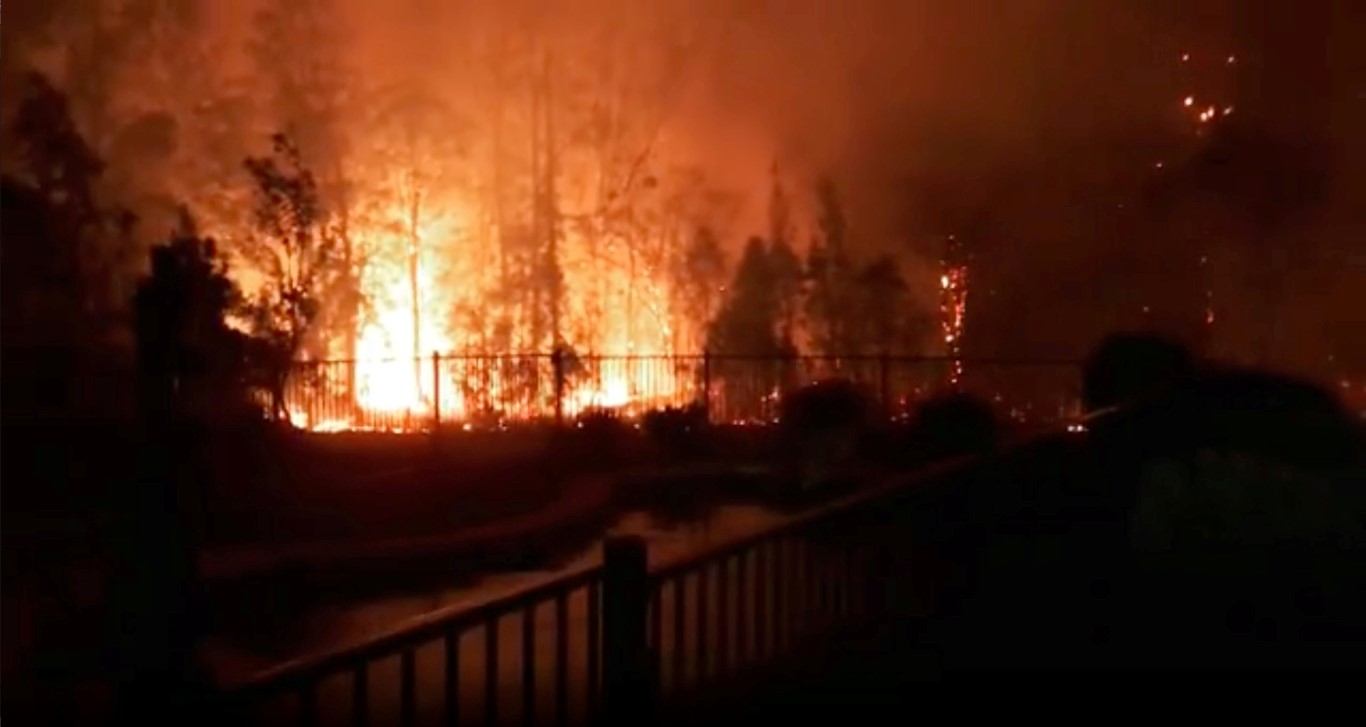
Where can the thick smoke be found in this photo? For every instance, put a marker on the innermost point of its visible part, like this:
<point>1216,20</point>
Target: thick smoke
<point>992,119</point>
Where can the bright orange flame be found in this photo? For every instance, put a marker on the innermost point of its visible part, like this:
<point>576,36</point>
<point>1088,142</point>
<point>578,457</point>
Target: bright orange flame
<point>404,380</point>
<point>953,309</point>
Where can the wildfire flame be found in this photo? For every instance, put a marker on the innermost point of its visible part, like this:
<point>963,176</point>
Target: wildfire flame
<point>953,285</point>
<point>407,364</point>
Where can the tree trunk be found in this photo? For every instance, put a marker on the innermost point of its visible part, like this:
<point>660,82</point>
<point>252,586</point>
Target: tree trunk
<point>414,286</point>
<point>549,212</point>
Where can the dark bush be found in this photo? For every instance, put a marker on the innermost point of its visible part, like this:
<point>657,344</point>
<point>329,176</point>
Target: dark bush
<point>598,435</point>
<point>1129,365</point>
<point>955,424</point>
<point>678,431</point>
<point>822,425</point>
<point>829,405</point>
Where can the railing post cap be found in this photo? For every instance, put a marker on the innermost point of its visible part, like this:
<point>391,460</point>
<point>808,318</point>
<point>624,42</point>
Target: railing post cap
<point>624,541</point>
<point>624,552</point>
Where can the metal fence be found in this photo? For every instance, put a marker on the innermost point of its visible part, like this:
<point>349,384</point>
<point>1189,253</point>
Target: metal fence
<point>612,642</point>
<point>491,391</point>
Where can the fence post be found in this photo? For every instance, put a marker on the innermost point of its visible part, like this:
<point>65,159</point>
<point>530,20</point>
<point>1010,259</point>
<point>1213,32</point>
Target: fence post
<point>436,391</point>
<point>706,384</point>
<point>885,384</point>
<point>628,681</point>
<point>557,363</point>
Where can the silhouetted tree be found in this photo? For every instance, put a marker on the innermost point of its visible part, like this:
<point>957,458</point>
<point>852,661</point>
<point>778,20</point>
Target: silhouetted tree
<point>883,319</point>
<point>783,267</point>
<point>750,320</point>
<point>952,425</point>
<point>752,324</point>
<point>85,253</point>
<point>701,279</point>
<point>300,48</point>
<point>191,376</point>
<point>830,313</point>
<point>307,275</point>
<point>192,361</point>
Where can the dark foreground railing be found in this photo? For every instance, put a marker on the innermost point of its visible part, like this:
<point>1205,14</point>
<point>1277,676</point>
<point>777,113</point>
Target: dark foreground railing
<point>608,642</point>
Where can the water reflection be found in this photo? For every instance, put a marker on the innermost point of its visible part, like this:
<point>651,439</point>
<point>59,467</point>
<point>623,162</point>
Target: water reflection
<point>322,625</point>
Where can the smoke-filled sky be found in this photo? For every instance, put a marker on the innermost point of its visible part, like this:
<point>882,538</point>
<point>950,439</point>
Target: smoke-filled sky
<point>933,115</point>
<point>867,88</point>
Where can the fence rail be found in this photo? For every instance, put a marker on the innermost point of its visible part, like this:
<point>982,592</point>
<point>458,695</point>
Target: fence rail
<point>621,635</point>
<point>442,665</point>
<point>491,391</point>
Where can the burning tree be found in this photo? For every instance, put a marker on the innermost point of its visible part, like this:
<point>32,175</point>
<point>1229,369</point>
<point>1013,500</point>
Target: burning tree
<point>413,151</point>
<point>953,283</point>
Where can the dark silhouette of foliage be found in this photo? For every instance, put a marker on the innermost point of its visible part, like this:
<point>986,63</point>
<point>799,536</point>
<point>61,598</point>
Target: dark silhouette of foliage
<point>307,274</point>
<point>191,359</point>
<point>678,431</point>
<point>955,424</point>
<point>1240,494</point>
<point>1125,366</point>
<point>54,155</point>
<point>884,318</point>
<point>822,425</point>
<point>702,275</point>
<point>830,312</point>
<point>41,278</point>
<point>750,322</point>
<point>598,435</point>
<point>827,405</point>
<point>79,260</point>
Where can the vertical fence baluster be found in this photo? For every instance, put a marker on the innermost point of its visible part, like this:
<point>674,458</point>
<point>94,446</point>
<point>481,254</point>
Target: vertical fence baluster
<point>779,595</point>
<point>594,646</point>
<point>657,631</point>
<point>436,391</point>
<point>360,696</point>
<point>451,684</point>
<point>628,687</point>
<point>407,685</point>
<point>308,706</point>
<point>680,631</point>
<point>491,672</point>
<point>701,635</point>
<point>829,581</point>
<point>706,386</point>
<point>806,596</point>
<point>723,616</point>
<point>529,665</point>
<point>812,596</point>
<point>742,611</point>
<point>761,623</point>
<point>562,659</point>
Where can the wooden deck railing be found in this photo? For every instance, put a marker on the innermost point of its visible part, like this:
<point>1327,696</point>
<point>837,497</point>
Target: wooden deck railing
<point>607,642</point>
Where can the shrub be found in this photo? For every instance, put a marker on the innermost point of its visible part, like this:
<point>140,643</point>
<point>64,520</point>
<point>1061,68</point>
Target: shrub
<point>598,434</point>
<point>678,431</point>
<point>823,424</point>
<point>955,424</point>
<point>1127,365</point>
<point>832,404</point>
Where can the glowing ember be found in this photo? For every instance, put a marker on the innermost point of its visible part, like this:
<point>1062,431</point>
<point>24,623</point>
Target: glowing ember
<point>953,283</point>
